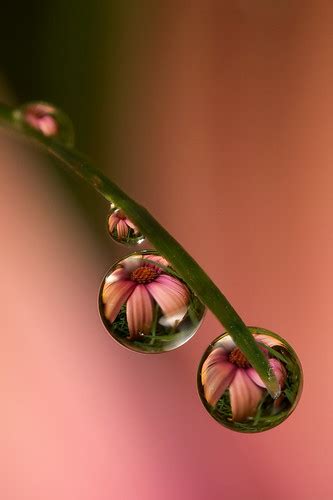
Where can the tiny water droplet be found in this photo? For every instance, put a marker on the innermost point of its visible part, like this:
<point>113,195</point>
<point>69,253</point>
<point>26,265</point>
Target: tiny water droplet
<point>234,394</point>
<point>145,308</point>
<point>48,120</point>
<point>122,230</point>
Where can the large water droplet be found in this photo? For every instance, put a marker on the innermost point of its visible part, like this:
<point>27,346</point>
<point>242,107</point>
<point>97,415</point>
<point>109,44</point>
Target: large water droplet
<point>233,393</point>
<point>146,307</point>
<point>122,230</point>
<point>48,120</point>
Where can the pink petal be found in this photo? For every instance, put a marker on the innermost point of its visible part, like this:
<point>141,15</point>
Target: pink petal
<point>113,220</point>
<point>278,369</point>
<point>122,229</point>
<point>174,285</point>
<point>170,294</point>
<point>114,296</point>
<point>216,376</point>
<point>139,311</point>
<point>245,396</point>
<point>44,123</point>
<point>130,224</point>
<point>48,125</point>
<point>266,339</point>
<point>218,355</point>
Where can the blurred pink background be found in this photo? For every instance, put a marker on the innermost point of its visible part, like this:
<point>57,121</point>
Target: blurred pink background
<point>226,138</point>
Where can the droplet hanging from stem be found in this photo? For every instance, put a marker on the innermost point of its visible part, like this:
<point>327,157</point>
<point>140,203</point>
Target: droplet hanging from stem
<point>234,394</point>
<point>48,120</point>
<point>146,307</point>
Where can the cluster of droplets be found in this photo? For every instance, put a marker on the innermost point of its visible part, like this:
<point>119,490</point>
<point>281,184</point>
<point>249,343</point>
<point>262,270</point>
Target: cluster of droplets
<point>143,304</point>
<point>148,308</point>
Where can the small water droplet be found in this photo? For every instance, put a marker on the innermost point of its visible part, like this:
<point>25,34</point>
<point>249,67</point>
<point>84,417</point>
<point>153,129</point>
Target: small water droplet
<point>48,120</point>
<point>235,395</point>
<point>122,230</point>
<point>145,308</point>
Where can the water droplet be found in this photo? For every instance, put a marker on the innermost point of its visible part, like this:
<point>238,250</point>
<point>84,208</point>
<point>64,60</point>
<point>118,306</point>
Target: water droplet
<point>146,307</point>
<point>122,230</point>
<point>48,120</point>
<point>233,393</point>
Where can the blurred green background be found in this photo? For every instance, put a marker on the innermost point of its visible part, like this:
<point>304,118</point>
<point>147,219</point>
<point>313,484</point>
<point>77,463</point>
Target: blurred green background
<point>76,55</point>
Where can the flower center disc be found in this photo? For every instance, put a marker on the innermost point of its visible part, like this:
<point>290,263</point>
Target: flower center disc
<point>120,214</point>
<point>144,274</point>
<point>237,358</point>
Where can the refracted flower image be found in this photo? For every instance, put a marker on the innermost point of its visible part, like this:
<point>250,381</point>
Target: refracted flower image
<point>122,230</point>
<point>40,116</point>
<point>234,394</point>
<point>48,120</point>
<point>146,307</point>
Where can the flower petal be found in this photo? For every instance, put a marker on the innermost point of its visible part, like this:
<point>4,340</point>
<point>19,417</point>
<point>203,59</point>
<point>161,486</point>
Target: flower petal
<point>218,355</point>
<point>113,220</point>
<point>216,375</point>
<point>122,229</point>
<point>170,294</point>
<point>174,284</point>
<point>139,311</point>
<point>131,225</point>
<point>114,296</point>
<point>245,396</point>
<point>278,369</point>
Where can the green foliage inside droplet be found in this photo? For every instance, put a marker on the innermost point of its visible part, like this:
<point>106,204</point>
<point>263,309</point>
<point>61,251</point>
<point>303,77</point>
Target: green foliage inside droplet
<point>119,326</point>
<point>160,338</point>
<point>131,238</point>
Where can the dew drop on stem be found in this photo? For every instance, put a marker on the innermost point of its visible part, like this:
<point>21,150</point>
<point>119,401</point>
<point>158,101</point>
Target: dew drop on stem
<point>49,120</point>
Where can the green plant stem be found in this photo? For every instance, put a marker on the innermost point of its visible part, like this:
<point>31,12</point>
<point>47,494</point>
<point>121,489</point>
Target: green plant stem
<point>165,244</point>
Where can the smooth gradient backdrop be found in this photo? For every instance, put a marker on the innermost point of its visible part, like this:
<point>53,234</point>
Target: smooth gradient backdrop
<point>224,131</point>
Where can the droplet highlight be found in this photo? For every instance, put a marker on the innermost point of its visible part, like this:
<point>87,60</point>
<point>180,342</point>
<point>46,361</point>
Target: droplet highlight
<point>121,228</point>
<point>48,120</point>
<point>146,307</point>
<point>234,394</point>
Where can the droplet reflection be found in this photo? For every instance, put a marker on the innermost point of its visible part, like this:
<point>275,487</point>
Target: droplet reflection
<point>234,394</point>
<point>122,230</point>
<point>146,307</point>
<point>48,120</point>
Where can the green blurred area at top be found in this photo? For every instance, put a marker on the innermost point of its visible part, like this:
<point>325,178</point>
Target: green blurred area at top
<point>69,54</point>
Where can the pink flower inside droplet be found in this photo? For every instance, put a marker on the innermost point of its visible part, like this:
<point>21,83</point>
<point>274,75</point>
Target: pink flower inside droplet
<point>226,367</point>
<point>140,282</point>
<point>41,117</point>
<point>123,226</point>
